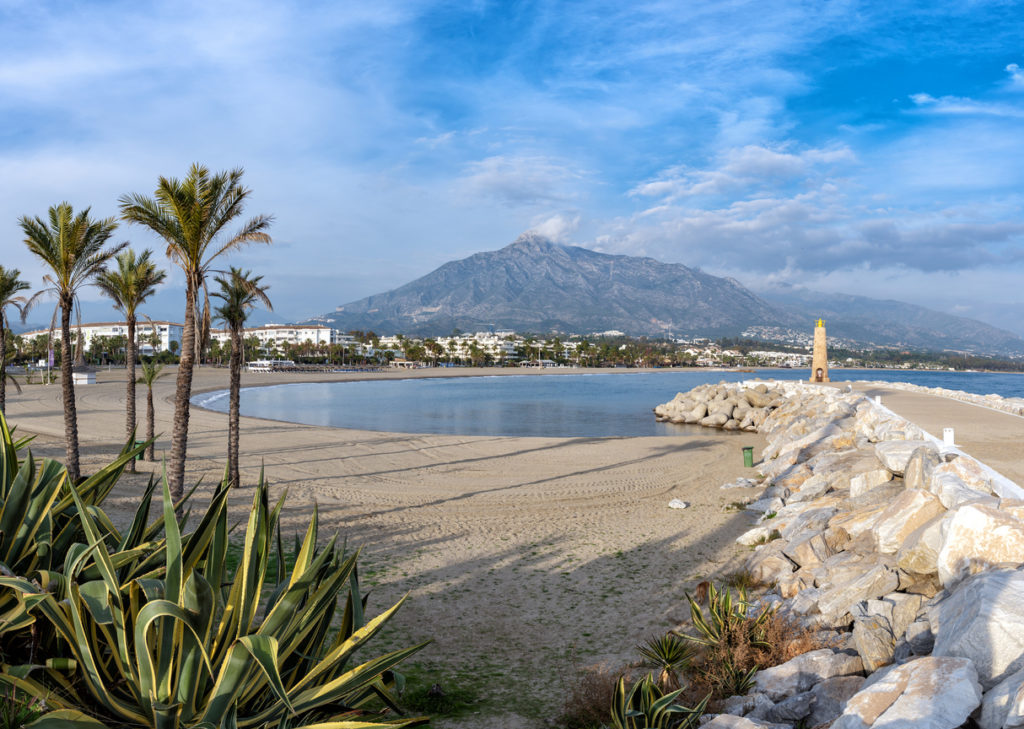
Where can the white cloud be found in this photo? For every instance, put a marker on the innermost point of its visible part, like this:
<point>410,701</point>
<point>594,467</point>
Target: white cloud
<point>958,105</point>
<point>745,170</point>
<point>1016,75</point>
<point>558,227</point>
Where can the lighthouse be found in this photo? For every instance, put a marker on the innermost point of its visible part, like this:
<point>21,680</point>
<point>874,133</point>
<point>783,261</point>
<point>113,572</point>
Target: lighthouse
<point>819,359</point>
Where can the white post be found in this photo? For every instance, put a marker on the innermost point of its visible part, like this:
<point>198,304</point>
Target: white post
<point>947,437</point>
<point>878,399</point>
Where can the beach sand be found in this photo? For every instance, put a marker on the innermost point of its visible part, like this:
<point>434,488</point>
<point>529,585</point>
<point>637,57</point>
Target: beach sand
<point>525,558</point>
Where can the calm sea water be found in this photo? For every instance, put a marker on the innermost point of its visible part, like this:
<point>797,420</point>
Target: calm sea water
<point>586,405</point>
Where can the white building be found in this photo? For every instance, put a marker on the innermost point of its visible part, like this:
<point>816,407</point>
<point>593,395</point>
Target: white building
<point>166,332</point>
<point>274,335</point>
<point>493,344</point>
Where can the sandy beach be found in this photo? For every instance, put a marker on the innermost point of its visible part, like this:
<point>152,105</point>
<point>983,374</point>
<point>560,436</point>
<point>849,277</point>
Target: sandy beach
<point>525,557</point>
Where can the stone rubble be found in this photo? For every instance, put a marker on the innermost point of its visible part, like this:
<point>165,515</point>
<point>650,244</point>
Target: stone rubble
<point>910,553</point>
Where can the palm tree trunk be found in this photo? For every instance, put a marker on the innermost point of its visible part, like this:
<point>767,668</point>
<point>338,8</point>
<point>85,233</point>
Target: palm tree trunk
<point>3,366</point>
<point>68,391</point>
<point>182,393</point>
<point>236,377</point>
<point>150,423</point>
<point>130,357</point>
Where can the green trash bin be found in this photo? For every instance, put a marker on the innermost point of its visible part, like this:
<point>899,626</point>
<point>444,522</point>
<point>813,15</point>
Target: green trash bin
<point>748,456</point>
<point>138,456</point>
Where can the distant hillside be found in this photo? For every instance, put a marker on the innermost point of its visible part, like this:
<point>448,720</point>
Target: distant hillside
<point>895,323</point>
<point>534,285</point>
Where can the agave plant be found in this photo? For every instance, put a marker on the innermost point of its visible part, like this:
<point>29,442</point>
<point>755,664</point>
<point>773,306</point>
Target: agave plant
<point>727,633</point>
<point>726,616</point>
<point>39,522</point>
<point>645,706</point>
<point>161,636</point>
<point>671,654</point>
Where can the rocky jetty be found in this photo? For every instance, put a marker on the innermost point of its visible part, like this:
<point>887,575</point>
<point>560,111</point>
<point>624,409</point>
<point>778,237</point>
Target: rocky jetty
<point>906,554</point>
<point>722,406</point>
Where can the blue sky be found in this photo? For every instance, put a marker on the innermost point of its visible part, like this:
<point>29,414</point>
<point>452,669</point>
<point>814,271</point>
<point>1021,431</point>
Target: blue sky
<point>871,148</point>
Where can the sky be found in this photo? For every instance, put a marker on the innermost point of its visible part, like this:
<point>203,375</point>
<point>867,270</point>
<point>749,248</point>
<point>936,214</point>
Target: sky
<point>873,148</point>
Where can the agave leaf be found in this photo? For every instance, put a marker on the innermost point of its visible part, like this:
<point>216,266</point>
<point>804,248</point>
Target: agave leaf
<point>134,536</point>
<point>156,688</point>
<point>350,681</point>
<point>66,719</point>
<point>348,646</point>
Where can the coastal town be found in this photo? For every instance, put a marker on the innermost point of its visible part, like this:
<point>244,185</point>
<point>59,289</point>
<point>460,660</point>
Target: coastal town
<point>317,345</point>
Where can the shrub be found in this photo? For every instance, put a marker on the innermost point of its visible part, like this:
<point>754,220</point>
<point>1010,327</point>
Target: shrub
<point>735,644</point>
<point>588,701</point>
<point>157,632</point>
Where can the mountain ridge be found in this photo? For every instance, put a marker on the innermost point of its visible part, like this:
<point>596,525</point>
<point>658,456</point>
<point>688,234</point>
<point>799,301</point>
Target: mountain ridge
<point>535,285</point>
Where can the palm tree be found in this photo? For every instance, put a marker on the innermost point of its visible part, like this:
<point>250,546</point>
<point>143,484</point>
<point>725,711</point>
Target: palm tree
<point>10,295</point>
<point>240,291</point>
<point>134,281</point>
<point>72,247</point>
<point>150,374</point>
<point>191,215</point>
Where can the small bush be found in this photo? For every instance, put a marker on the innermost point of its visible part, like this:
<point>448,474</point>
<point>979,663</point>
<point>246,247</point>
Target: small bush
<point>735,644</point>
<point>589,699</point>
<point>671,654</point>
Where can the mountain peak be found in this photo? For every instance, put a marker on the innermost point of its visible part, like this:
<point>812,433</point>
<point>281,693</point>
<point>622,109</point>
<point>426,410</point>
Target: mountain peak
<point>531,240</point>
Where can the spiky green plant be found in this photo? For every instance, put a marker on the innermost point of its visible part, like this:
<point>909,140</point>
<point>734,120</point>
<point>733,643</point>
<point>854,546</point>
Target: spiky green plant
<point>39,516</point>
<point>645,706</point>
<point>729,634</point>
<point>671,654</point>
<point>162,636</point>
<point>726,615</point>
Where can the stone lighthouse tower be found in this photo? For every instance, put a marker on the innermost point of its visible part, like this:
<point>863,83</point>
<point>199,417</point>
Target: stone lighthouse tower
<point>819,359</point>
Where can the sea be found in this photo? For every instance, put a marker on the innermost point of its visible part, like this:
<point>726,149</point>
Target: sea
<point>599,405</point>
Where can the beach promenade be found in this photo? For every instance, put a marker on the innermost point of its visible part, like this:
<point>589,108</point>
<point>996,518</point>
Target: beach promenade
<point>993,437</point>
<point>525,557</point>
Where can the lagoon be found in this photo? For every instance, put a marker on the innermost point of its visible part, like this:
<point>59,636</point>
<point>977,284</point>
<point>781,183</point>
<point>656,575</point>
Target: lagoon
<point>567,405</point>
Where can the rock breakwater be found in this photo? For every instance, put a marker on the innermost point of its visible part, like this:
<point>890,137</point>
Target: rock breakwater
<point>908,553</point>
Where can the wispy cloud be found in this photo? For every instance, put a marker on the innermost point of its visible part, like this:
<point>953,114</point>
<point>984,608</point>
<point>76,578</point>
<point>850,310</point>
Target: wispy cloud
<point>517,181</point>
<point>965,106</point>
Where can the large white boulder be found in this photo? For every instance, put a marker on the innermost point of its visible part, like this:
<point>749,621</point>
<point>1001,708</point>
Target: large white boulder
<point>1003,705</point>
<point>858,521</point>
<point>908,511</point>
<point>801,673</point>
<point>928,693</point>
<point>970,471</point>
<point>877,580</point>
<point>864,482</point>
<point>952,490</point>
<point>983,620</point>
<point>920,551</point>
<point>895,454</point>
<point>976,537</point>
<point>918,471</point>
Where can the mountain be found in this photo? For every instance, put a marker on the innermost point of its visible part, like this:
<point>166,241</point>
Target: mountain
<point>534,285</point>
<point>886,322</point>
